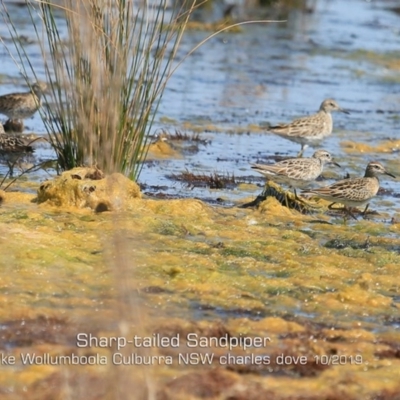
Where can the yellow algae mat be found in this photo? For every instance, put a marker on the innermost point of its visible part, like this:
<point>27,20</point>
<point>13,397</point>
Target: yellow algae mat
<point>176,299</point>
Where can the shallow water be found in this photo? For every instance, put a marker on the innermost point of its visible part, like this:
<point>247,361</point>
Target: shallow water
<point>270,73</point>
<point>276,72</point>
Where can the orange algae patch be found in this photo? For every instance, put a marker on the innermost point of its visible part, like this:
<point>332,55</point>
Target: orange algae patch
<point>26,377</point>
<point>10,198</point>
<point>360,296</point>
<point>273,207</point>
<point>271,325</point>
<point>161,149</point>
<point>393,64</point>
<point>88,187</point>
<point>247,187</point>
<point>387,146</point>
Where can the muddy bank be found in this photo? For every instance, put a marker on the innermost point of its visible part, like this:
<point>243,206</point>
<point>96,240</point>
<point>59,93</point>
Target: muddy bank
<point>284,305</point>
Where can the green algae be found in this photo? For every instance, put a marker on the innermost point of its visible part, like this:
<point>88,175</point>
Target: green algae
<point>183,259</point>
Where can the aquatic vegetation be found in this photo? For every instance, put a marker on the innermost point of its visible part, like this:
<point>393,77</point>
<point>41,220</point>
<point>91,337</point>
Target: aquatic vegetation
<point>107,78</point>
<point>213,181</point>
<point>286,198</point>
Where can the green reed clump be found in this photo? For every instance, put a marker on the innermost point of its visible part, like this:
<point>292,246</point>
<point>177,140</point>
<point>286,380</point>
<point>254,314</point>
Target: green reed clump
<point>107,63</point>
<point>105,77</point>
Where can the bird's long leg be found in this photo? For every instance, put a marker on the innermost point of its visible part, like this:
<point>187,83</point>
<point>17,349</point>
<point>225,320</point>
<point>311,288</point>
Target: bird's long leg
<point>303,147</point>
<point>303,201</point>
<point>348,210</point>
<point>364,213</point>
<point>300,153</point>
<point>297,198</point>
<point>10,168</point>
<point>286,200</point>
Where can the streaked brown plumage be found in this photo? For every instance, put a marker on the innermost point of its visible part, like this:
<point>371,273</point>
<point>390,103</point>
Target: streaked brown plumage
<point>353,192</point>
<point>296,172</point>
<point>312,129</point>
<point>22,105</point>
<point>14,144</point>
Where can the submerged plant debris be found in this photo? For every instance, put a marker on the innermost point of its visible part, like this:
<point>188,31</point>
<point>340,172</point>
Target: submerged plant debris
<point>286,198</point>
<point>212,181</point>
<point>178,135</point>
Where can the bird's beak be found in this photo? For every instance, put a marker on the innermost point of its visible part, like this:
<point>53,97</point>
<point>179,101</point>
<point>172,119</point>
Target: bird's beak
<point>265,125</point>
<point>344,111</point>
<point>388,173</point>
<point>335,163</point>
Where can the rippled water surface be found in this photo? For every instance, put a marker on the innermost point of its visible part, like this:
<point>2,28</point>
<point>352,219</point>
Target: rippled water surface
<point>268,73</point>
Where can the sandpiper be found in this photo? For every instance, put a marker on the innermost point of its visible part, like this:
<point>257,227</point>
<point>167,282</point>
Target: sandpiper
<point>297,172</point>
<point>14,144</point>
<point>353,192</point>
<point>22,105</point>
<point>14,150</point>
<point>312,129</point>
